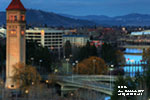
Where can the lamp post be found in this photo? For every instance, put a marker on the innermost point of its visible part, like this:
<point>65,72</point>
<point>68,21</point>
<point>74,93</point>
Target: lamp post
<point>40,61</point>
<point>73,64</point>
<point>67,65</point>
<point>2,83</point>
<point>77,66</point>
<point>94,60</point>
<point>111,66</point>
<point>56,70</point>
<point>32,59</point>
<point>2,72</point>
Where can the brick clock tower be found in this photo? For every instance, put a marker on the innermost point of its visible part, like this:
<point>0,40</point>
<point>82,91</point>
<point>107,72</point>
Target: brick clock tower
<point>16,26</point>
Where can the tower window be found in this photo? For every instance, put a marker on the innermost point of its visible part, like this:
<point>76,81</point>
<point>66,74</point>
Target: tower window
<point>22,17</point>
<point>13,32</point>
<point>15,18</point>
<point>10,17</point>
<point>22,32</point>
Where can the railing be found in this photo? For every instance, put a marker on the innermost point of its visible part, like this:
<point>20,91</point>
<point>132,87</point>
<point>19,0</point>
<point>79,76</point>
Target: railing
<point>133,69</point>
<point>101,83</point>
<point>91,86</point>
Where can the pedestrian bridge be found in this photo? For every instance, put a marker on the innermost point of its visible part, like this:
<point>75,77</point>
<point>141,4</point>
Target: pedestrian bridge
<point>98,83</point>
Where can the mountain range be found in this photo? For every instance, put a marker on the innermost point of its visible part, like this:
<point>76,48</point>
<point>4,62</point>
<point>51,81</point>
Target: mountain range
<point>38,18</point>
<point>133,19</point>
<point>42,18</point>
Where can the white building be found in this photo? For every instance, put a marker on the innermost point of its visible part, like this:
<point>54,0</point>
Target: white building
<point>146,32</point>
<point>46,37</point>
<point>76,40</point>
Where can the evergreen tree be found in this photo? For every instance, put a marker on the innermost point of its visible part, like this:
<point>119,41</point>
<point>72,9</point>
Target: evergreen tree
<point>112,55</point>
<point>87,51</point>
<point>121,81</point>
<point>38,56</point>
<point>68,49</point>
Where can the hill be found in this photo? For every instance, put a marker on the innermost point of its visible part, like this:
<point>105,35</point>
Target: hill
<point>42,18</point>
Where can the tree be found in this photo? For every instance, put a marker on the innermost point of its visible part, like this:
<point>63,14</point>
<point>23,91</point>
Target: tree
<point>112,55</point>
<point>146,55</point>
<point>140,82</point>
<point>2,56</point>
<point>143,83</point>
<point>38,56</point>
<point>91,65</point>
<point>107,52</point>
<point>68,49</point>
<point>111,35</point>
<point>25,76</point>
<point>121,81</point>
<point>87,51</point>
<point>120,59</point>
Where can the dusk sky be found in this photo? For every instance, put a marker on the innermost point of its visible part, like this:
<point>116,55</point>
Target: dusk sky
<point>86,7</point>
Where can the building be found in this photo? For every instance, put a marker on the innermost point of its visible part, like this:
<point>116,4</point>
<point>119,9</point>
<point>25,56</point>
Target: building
<point>47,37</point>
<point>76,40</point>
<point>136,38</point>
<point>140,33</point>
<point>16,26</point>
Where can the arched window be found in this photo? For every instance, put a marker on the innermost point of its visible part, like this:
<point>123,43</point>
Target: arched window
<point>15,18</point>
<point>11,17</point>
<point>22,18</point>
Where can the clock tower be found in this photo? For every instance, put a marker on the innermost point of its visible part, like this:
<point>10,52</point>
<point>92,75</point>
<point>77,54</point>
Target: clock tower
<point>16,27</point>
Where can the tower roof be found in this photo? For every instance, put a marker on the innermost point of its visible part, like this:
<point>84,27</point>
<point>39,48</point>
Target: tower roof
<point>16,5</point>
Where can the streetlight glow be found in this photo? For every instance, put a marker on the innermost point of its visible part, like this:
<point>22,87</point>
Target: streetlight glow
<point>26,91</point>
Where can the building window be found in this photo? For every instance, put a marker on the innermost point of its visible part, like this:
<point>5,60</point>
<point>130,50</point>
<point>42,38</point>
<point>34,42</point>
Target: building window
<point>13,32</point>
<point>22,32</point>
<point>15,18</point>
<point>22,18</point>
<point>11,18</point>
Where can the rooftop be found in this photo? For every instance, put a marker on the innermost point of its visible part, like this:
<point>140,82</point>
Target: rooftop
<point>16,5</point>
<point>146,32</point>
<point>75,36</point>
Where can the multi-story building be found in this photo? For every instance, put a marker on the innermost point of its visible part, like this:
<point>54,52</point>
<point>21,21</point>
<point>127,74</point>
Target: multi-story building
<point>46,37</point>
<point>136,38</point>
<point>76,40</point>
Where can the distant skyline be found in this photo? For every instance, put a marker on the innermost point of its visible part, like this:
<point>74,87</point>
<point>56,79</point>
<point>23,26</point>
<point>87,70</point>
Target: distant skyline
<point>86,7</point>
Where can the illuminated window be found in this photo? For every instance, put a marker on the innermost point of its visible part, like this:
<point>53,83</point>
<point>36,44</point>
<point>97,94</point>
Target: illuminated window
<point>42,32</point>
<point>13,32</point>
<point>22,32</point>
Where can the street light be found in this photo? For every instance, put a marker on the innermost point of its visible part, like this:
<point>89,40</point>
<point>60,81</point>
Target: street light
<point>47,81</point>
<point>40,61</point>
<point>26,91</point>
<point>94,60</point>
<point>56,70</point>
<point>32,59</point>
<point>73,64</point>
<point>77,66</point>
<point>67,65</point>
<point>111,68</point>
